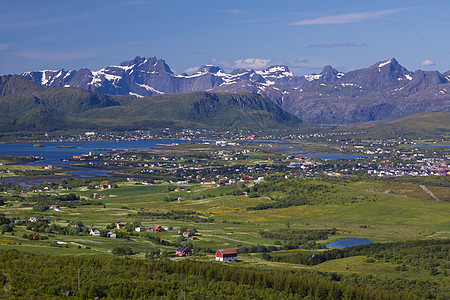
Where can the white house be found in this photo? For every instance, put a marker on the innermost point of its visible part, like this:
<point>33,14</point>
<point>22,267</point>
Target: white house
<point>94,232</point>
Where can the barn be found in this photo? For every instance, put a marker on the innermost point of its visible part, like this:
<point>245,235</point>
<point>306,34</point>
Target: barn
<point>226,255</point>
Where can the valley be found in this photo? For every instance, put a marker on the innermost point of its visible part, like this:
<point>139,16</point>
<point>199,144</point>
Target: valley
<point>276,209</point>
<point>189,150</point>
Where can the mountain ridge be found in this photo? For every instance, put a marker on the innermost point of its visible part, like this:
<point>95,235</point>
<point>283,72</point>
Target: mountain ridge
<point>381,92</point>
<point>35,108</point>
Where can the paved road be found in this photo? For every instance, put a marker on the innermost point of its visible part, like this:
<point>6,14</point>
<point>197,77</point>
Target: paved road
<point>430,193</point>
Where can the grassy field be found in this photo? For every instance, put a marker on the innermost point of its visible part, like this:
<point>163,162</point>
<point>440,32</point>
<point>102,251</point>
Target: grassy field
<point>380,211</point>
<point>395,211</point>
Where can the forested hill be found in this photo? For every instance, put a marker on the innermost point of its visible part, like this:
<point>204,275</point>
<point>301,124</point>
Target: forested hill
<point>195,110</point>
<point>42,276</point>
<point>422,125</point>
<point>26,106</point>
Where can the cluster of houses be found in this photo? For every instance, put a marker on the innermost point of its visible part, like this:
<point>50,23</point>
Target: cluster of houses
<point>221,254</point>
<point>47,189</point>
<point>418,167</point>
<point>104,186</point>
<point>96,232</point>
<point>120,225</point>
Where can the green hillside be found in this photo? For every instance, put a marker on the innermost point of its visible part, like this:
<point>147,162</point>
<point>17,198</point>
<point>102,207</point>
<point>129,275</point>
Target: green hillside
<point>423,125</point>
<point>26,106</point>
<point>15,84</point>
<point>194,110</point>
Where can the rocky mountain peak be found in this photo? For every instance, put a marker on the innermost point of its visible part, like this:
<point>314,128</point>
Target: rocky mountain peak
<point>329,74</point>
<point>390,65</point>
<point>383,74</point>
<point>241,71</point>
<point>209,69</point>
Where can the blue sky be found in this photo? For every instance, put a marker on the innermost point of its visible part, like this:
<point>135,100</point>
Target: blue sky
<point>304,35</point>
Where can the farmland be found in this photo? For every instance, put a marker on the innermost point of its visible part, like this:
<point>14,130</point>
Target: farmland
<point>274,218</point>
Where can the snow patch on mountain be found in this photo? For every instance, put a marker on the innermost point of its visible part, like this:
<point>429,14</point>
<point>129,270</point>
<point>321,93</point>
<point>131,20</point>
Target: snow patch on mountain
<point>135,95</point>
<point>276,72</point>
<point>312,77</point>
<point>384,63</point>
<point>149,88</point>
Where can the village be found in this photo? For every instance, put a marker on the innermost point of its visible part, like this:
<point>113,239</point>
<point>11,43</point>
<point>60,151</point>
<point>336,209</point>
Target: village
<point>249,163</point>
<point>259,204</point>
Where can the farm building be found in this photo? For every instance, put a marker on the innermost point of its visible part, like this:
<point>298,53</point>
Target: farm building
<point>55,207</point>
<point>226,255</point>
<point>94,232</point>
<point>159,228</point>
<point>183,251</point>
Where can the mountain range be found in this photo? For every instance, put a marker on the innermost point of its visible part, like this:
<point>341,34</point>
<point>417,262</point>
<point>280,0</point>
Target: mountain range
<point>381,92</point>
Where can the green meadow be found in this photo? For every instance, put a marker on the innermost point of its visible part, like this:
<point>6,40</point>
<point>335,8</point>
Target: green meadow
<point>381,211</point>
<point>378,210</point>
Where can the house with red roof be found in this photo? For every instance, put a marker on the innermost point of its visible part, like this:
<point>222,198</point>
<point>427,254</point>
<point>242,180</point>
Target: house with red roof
<point>183,251</point>
<point>159,228</point>
<point>226,255</point>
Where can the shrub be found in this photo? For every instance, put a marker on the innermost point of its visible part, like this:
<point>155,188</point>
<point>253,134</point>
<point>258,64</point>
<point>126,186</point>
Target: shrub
<point>122,251</point>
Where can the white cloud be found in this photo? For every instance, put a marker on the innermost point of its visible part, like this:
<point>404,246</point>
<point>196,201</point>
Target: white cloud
<point>427,62</point>
<point>349,18</point>
<point>252,63</point>
<point>39,22</point>
<point>36,55</point>
<point>300,62</point>
<point>191,70</point>
<point>134,3</point>
<point>248,63</point>
<point>231,11</point>
<point>339,45</point>
<point>4,46</point>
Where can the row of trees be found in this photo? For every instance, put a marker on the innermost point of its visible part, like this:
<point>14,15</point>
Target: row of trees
<point>180,215</point>
<point>37,276</point>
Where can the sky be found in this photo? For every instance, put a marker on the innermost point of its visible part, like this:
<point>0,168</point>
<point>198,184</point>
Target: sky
<point>305,35</point>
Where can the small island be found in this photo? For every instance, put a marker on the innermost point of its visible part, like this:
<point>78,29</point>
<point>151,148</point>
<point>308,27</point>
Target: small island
<point>65,147</point>
<point>39,145</point>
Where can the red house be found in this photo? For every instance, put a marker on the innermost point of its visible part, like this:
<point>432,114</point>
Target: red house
<point>159,229</point>
<point>226,255</point>
<point>184,251</point>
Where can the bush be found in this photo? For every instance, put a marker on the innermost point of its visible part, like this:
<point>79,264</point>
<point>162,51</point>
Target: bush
<point>6,228</point>
<point>122,251</point>
<point>40,207</point>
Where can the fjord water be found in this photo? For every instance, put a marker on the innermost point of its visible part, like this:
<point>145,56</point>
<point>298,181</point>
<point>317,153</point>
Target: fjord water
<point>349,243</point>
<point>52,155</point>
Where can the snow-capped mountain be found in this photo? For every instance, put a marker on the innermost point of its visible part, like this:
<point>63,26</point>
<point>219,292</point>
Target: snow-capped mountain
<point>377,92</point>
<point>151,76</point>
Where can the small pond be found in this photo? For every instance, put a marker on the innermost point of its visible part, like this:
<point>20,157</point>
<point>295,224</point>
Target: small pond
<point>337,156</point>
<point>349,243</point>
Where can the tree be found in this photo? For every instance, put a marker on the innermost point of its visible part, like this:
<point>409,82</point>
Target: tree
<point>122,251</point>
<point>6,228</point>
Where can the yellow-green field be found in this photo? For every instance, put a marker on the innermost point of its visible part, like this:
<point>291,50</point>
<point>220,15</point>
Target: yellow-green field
<point>382,211</point>
<point>401,211</point>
